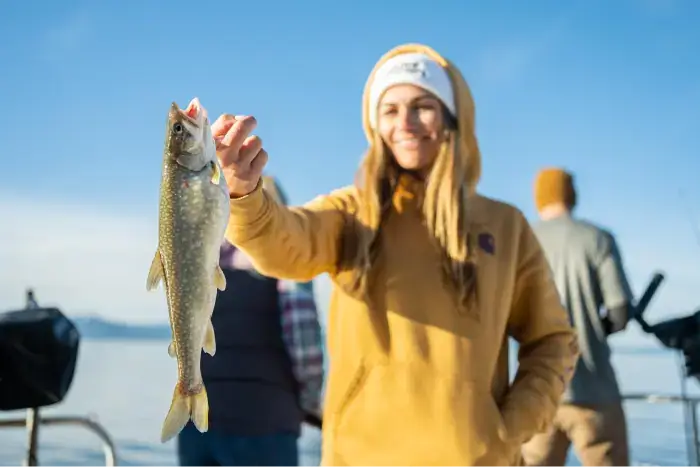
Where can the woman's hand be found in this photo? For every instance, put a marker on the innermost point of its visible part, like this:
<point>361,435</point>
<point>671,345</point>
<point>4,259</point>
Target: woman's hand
<point>241,156</point>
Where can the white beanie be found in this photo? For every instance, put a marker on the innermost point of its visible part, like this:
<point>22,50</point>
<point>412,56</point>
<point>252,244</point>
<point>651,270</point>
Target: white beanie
<point>410,68</point>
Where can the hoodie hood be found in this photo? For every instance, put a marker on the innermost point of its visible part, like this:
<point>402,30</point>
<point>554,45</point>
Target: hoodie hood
<point>446,82</point>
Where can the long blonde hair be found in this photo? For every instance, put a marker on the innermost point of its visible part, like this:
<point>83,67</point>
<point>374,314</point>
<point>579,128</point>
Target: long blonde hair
<point>451,181</point>
<point>273,186</point>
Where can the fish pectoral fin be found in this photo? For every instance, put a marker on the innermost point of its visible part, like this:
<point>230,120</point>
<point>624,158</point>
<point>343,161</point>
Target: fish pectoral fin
<point>216,174</point>
<point>171,349</point>
<point>182,409</point>
<point>219,278</point>
<point>155,274</point>
<point>209,340</point>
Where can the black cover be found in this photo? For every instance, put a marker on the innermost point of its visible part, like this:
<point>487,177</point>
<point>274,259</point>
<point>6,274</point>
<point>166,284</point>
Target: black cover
<point>38,355</point>
<point>682,334</point>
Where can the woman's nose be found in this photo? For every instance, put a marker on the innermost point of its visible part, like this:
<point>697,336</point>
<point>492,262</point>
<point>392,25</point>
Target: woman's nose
<point>406,119</point>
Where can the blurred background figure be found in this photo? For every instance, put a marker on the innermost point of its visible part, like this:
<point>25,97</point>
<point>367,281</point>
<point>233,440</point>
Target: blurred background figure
<point>267,371</point>
<point>589,274</point>
<point>31,302</point>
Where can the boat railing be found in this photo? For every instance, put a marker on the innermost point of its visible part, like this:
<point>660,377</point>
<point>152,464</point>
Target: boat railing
<point>690,405</point>
<point>33,420</point>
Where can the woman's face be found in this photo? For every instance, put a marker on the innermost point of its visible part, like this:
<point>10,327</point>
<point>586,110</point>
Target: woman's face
<point>410,121</point>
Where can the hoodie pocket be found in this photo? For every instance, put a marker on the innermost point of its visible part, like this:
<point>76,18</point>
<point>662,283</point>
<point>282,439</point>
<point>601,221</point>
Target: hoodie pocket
<point>406,414</point>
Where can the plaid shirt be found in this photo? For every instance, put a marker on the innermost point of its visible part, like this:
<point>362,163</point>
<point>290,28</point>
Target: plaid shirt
<point>301,330</point>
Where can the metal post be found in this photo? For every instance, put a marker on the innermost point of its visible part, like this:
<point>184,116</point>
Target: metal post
<point>33,423</point>
<point>92,425</point>
<point>692,406</point>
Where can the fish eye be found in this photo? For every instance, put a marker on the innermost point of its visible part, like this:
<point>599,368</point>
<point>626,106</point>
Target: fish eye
<point>177,128</point>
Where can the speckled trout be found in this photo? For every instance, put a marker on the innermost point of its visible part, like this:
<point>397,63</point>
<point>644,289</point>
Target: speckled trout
<point>193,214</point>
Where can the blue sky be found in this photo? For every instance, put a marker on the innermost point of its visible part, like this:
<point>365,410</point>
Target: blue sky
<point>610,90</point>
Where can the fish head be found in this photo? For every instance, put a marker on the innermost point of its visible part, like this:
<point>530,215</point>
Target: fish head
<point>189,141</point>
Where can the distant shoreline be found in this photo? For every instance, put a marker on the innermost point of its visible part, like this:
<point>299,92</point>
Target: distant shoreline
<point>94,328</point>
<point>122,339</point>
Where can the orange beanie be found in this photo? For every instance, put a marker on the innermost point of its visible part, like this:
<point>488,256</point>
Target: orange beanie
<point>554,185</point>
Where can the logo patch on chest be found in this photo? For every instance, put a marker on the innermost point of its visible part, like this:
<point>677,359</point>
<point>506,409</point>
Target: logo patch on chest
<point>487,243</point>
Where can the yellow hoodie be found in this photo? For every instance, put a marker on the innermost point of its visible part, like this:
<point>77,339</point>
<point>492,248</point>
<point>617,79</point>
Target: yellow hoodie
<point>413,379</point>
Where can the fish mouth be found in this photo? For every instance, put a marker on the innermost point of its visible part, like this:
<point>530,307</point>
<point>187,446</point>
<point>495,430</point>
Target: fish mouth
<point>194,115</point>
<point>191,140</point>
<point>191,123</point>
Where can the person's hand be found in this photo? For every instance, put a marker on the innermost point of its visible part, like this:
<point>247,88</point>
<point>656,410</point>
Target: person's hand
<point>242,156</point>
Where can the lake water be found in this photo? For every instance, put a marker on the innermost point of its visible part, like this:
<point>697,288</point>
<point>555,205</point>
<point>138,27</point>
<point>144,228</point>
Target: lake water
<point>127,385</point>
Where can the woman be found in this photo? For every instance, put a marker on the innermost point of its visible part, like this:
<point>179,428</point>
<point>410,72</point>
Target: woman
<point>429,279</point>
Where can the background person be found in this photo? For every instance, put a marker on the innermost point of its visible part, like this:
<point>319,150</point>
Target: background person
<point>590,276</point>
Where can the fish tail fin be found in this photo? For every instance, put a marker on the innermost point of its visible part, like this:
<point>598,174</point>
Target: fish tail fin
<point>200,410</point>
<point>182,409</point>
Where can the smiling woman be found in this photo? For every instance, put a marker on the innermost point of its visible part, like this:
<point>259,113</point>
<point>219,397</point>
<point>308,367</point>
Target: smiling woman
<point>410,123</point>
<point>412,118</point>
<point>430,279</point>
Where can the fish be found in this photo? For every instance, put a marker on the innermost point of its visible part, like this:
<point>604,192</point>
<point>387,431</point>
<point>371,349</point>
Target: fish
<point>192,218</point>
